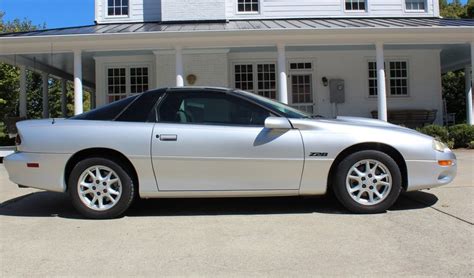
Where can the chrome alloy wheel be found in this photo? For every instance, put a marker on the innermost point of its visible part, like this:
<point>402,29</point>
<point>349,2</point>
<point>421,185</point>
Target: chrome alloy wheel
<point>99,188</point>
<point>369,182</point>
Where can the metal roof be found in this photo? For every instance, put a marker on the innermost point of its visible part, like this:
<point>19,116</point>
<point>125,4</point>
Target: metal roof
<point>242,25</point>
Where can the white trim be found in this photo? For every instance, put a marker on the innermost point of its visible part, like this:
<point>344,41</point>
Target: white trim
<point>111,17</point>
<point>404,3</point>
<point>191,51</point>
<point>260,5</point>
<point>225,39</point>
<point>366,10</point>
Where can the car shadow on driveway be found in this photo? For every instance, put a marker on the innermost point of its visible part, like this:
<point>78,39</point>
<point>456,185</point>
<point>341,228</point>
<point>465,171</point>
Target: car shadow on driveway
<point>48,204</point>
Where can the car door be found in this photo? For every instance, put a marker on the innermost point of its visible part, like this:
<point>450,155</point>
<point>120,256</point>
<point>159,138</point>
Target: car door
<point>213,141</point>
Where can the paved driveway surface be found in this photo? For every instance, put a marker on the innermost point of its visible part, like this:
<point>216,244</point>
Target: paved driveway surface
<point>426,233</point>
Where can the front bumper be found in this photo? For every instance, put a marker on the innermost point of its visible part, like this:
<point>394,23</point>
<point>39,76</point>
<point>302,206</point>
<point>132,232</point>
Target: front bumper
<point>48,176</point>
<point>424,174</point>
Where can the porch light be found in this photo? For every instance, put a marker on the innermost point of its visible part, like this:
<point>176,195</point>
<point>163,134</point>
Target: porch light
<point>325,81</point>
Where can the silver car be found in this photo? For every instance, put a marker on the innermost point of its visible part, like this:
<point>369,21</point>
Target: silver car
<point>214,142</point>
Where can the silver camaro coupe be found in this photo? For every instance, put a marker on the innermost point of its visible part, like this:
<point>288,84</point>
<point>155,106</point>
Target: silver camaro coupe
<point>213,142</point>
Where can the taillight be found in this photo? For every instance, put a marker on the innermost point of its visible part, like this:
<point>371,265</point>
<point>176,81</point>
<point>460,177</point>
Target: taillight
<point>18,140</point>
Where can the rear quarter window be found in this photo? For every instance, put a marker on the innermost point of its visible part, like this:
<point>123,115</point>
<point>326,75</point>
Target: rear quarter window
<point>108,112</point>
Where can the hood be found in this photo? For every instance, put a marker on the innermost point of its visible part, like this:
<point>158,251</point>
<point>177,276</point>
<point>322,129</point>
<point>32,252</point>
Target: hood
<point>350,125</point>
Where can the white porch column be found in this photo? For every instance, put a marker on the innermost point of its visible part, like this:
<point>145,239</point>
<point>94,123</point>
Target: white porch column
<point>282,78</point>
<point>381,86</point>
<point>64,97</point>
<point>45,78</point>
<point>179,67</point>
<point>469,85</point>
<point>468,78</point>
<point>23,99</point>
<point>78,91</point>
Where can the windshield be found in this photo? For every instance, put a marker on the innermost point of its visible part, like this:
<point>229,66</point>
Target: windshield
<point>285,110</point>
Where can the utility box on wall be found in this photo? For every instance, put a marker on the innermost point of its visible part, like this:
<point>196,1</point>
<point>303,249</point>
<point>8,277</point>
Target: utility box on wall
<point>337,90</point>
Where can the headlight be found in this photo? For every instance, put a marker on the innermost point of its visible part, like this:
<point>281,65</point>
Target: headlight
<point>439,146</point>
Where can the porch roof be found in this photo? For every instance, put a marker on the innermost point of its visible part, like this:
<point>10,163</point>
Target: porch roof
<point>243,25</point>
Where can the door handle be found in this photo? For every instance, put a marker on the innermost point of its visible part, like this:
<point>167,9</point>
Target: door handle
<point>168,137</point>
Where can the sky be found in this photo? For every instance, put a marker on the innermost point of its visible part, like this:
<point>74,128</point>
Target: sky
<point>54,13</point>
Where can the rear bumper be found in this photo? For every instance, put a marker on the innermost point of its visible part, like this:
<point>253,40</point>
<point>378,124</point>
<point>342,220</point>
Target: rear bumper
<point>48,176</point>
<point>424,174</point>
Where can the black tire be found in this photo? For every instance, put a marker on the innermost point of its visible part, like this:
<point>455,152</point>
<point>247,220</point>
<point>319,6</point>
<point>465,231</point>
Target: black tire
<point>127,189</point>
<point>341,174</point>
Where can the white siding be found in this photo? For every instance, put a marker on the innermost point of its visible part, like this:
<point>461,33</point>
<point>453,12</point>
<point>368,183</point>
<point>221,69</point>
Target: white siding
<point>424,79</point>
<point>328,8</point>
<point>209,68</point>
<point>139,11</point>
<point>189,10</point>
<point>215,69</point>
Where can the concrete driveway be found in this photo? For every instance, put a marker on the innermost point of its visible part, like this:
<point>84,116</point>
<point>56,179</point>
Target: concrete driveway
<point>426,233</point>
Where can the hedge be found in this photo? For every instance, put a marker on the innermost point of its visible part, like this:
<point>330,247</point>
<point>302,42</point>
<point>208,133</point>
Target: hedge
<point>456,136</point>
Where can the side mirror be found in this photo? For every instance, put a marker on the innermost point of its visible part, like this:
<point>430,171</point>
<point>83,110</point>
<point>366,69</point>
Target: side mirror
<point>277,123</point>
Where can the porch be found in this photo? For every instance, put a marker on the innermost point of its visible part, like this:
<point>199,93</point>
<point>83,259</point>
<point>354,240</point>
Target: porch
<point>293,61</point>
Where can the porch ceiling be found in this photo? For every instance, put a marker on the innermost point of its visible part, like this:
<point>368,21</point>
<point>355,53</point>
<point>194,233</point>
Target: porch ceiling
<point>60,65</point>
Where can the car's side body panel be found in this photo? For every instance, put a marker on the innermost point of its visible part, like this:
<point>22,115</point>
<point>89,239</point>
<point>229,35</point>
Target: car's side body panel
<point>47,174</point>
<point>226,158</point>
<point>331,137</point>
<point>45,143</point>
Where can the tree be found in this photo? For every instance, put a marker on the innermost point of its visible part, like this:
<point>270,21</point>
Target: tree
<point>455,9</point>
<point>454,94</point>
<point>10,80</point>
<point>470,9</point>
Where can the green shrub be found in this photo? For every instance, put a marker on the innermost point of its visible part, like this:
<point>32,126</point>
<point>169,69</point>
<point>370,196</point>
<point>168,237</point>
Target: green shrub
<point>436,131</point>
<point>471,145</point>
<point>462,135</point>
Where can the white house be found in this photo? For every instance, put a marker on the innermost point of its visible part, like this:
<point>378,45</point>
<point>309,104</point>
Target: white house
<point>387,54</point>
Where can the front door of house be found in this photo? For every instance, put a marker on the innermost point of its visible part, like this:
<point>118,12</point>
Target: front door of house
<point>301,87</point>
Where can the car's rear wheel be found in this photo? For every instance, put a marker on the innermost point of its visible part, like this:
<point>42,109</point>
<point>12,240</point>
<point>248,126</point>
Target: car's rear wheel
<point>367,182</point>
<point>100,188</point>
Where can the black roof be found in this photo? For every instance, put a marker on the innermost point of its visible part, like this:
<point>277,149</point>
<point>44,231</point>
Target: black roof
<point>241,25</point>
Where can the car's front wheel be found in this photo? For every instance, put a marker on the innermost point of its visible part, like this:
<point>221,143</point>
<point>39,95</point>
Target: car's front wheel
<point>367,182</point>
<point>100,188</point>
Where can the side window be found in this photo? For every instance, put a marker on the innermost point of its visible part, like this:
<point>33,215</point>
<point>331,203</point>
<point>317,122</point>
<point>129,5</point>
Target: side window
<point>117,7</point>
<point>140,110</point>
<point>210,108</point>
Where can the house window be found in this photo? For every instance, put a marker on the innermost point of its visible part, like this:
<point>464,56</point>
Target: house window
<point>125,81</point>
<point>117,84</point>
<point>355,5</point>
<point>117,7</point>
<point>244,77</point>
<point>266,74</point>
<point>415,5</point>
<point>301,66</point>
<point>248,6</point>
<point>372,79</point>
<point>397,78</point>
<point>259,78</point>
<point>138,80</point>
